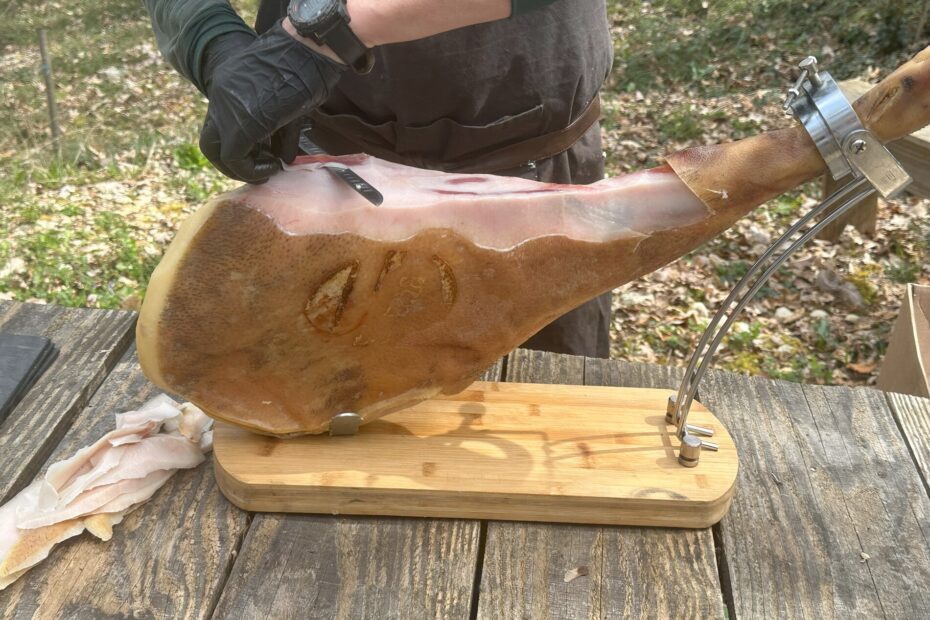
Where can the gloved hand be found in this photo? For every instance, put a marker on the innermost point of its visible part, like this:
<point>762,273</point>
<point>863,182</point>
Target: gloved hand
<point>258,94</point>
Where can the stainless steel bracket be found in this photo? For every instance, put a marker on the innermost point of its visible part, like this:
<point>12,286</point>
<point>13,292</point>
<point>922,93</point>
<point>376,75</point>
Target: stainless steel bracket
<point>849,151</point>
<point>845,145</point>
<point>345,424</point>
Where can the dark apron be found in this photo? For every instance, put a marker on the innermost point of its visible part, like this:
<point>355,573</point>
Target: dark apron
<point>494,98</point>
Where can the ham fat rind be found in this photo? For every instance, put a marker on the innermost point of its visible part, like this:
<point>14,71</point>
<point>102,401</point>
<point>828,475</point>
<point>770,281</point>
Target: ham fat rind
<point>281,305</point>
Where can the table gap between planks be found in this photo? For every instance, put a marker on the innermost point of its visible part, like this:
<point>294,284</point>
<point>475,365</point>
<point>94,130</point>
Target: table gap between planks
<point>830,515</point>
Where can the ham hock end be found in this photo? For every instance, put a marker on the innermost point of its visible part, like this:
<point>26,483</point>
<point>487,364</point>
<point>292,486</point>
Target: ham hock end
<point>281,305</point>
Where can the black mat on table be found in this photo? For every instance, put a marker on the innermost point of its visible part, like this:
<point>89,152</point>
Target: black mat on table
<point>23,359</point>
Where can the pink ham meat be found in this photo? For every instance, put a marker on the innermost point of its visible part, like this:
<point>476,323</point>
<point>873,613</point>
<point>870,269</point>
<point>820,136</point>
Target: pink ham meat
<point>102,482</point>
<point>281,305</point>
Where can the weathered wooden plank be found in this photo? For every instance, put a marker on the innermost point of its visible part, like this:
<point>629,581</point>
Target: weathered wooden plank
<point>293,566</point>
<point>530,366</point>
<point>494,372</point>
<point>631,374</point>
<point>168,559</point>
<point>643,572</point>
<point>90,342</point>
<point>883,493</point>
<point>830,518</point>
<point>913,416</point>
<point>302,566</point>
<point>685,558</point>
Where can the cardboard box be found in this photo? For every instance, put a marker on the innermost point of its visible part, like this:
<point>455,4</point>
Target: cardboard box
<point>907,360</point>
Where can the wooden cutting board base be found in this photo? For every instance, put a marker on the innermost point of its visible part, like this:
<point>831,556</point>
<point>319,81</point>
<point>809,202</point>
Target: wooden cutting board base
<point>510,451</point>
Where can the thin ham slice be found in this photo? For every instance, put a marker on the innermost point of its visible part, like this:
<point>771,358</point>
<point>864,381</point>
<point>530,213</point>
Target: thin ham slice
<point>101,483</point>
<point>132,466</point>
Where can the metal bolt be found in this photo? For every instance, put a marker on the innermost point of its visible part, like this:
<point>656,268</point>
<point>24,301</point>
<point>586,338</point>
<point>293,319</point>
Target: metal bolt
<point>670,410</point>
<point>809,65</point>
<point>858,146</point>
<point>690,451</point>
<point>808,68</point>
<point>700,430</point>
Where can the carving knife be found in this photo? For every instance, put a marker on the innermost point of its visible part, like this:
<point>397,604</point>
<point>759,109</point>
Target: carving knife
<point>343,172</point>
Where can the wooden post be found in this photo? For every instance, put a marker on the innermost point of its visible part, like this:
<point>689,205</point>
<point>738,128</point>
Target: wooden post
<point>921,22</point>
<point>864,216</point>
<point>49,90</point>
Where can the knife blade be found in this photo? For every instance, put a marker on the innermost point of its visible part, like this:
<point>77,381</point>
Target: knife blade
<point>356,182</point>
<point>343,172</point>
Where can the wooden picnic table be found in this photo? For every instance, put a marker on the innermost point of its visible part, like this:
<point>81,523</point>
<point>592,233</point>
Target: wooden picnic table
<point>831,516</point>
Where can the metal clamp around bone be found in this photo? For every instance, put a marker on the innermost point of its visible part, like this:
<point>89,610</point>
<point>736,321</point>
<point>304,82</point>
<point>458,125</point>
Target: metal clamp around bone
<point>845,145</point>
<point>849,150</point>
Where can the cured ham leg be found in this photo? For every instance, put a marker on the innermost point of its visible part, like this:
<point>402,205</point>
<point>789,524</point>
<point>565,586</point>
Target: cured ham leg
<point>281,305</point>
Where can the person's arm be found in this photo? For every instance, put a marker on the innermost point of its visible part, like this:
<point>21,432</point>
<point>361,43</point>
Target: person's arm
<point>261,87</point>
<point>184,28</point>
<point>379,22</point>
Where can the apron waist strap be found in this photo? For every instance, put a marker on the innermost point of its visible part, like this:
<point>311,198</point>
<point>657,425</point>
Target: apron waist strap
<point>534,149</point>
<point>509,157</point>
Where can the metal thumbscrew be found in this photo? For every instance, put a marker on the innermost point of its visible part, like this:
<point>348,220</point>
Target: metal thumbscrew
<point>858,146</point>
<point>809,65</point>
<point>808,68</point>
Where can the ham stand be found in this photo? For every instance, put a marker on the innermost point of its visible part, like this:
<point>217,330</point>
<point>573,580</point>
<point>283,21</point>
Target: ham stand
<point>852,153</point>
<point>575,454</point>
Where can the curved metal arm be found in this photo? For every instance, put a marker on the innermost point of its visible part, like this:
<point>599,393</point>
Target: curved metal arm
<point>679,407</point>
<point>849,195</point>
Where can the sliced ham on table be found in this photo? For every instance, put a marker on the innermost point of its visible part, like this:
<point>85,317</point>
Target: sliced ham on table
<point>101,483</point>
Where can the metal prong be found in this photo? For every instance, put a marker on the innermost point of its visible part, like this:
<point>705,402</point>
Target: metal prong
<point>670,410</point>
<point>841,201</point>
<point>700,430</point>
<point>709,445</point>
<point>344,424</point>
<point>690,451</point>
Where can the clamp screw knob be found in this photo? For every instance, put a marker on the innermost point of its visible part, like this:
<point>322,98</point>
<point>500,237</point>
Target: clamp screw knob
<point>809,66</point>
<point>809,71</point>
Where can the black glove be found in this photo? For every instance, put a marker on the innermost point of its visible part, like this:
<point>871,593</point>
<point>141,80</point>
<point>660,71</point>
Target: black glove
<point>258,93</point>
<point>284,141</point>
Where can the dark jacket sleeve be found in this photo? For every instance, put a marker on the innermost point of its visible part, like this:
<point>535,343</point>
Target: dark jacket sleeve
<point>525,6</point>
<point>184,27</point>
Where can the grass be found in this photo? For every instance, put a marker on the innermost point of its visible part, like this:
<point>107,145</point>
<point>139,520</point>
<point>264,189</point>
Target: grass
<point>680,124</point>
<point>91,218</point>
<point>719,47</point>
<point>731,272</point>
